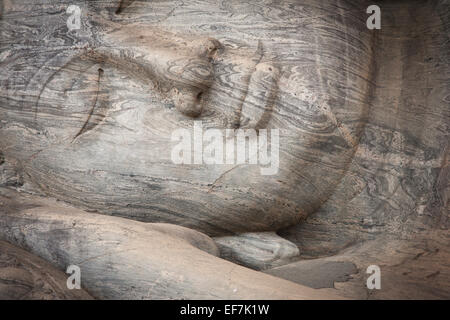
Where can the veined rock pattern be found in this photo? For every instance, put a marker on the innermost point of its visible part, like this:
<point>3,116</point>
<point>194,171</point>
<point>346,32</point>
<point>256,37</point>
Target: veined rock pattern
<point>90,99</point>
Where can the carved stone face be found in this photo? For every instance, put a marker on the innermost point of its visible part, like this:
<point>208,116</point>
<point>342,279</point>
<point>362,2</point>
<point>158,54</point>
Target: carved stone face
<point>90,120</point>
